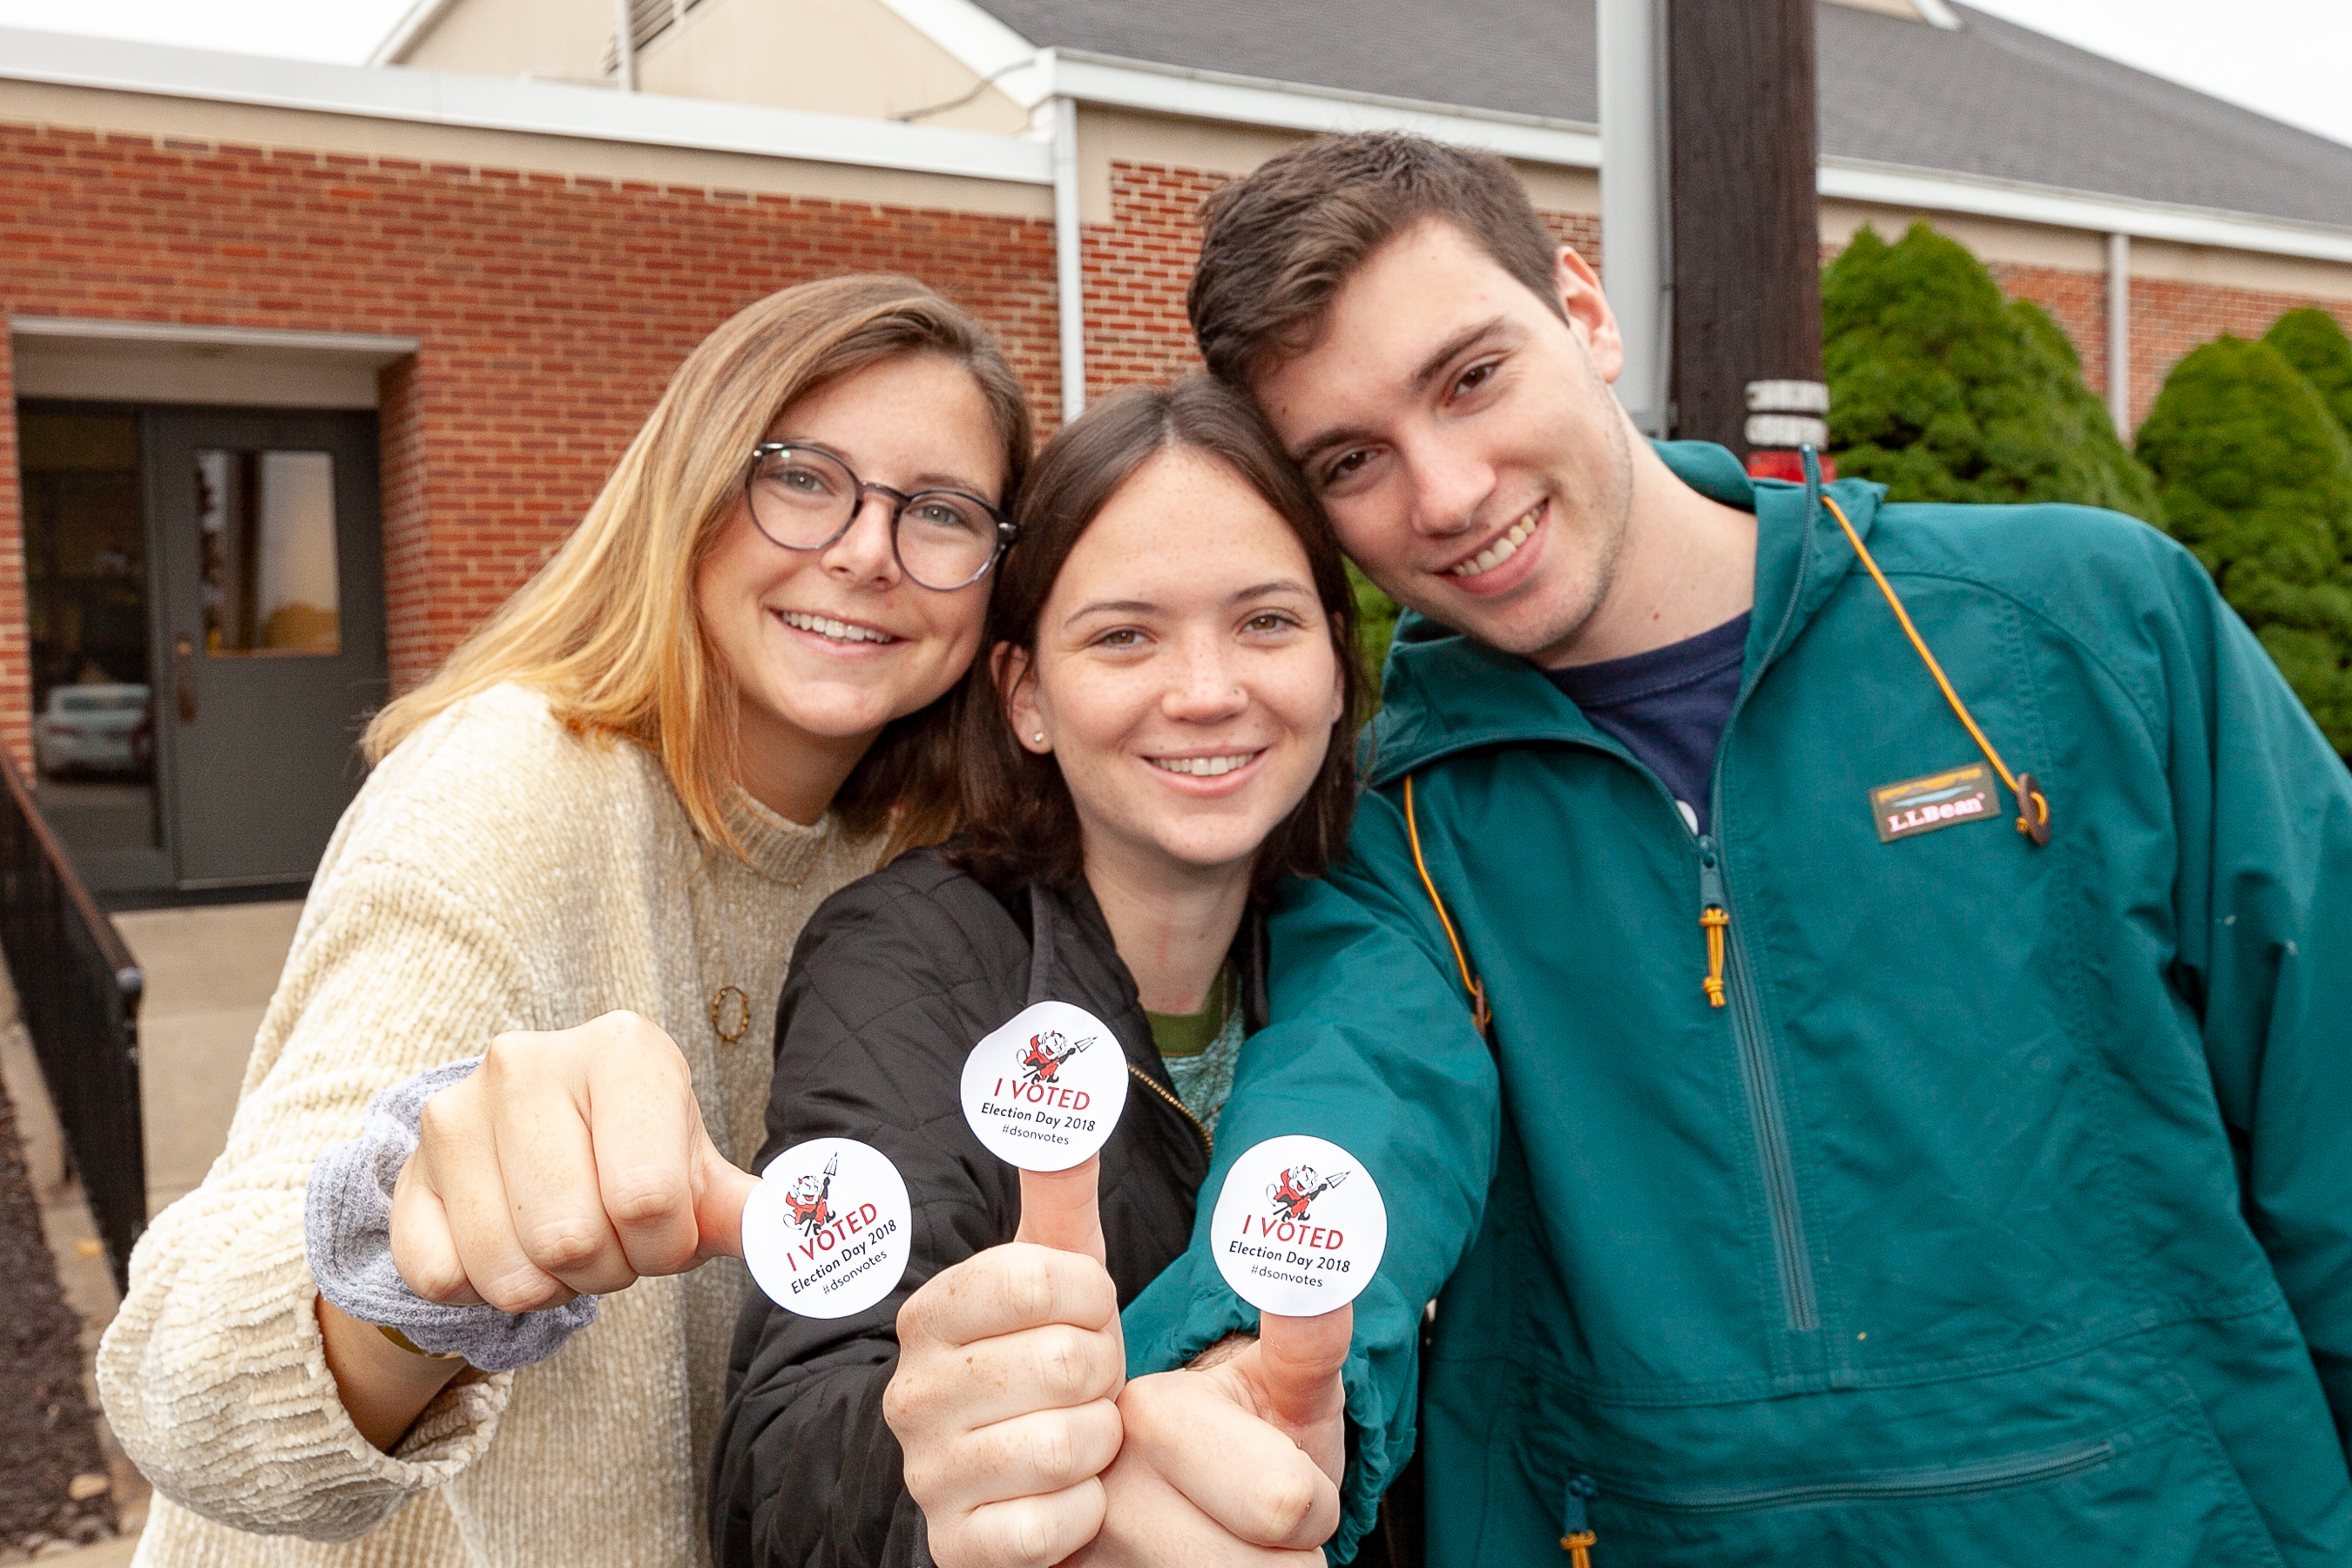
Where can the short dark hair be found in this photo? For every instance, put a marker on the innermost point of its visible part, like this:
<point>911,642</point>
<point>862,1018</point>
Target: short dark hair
<point>1278,245</point>
<point>1024,825</point>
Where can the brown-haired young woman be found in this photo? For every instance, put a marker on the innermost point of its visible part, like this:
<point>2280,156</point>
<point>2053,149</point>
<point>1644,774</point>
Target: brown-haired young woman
<point>724,696</point>
<point>1160,735</point>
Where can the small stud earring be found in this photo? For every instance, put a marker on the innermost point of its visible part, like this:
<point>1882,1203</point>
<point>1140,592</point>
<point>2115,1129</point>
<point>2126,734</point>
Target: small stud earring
<point>1041,737</point>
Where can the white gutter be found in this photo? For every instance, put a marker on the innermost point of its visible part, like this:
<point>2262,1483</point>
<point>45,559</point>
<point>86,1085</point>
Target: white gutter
<point>1890,184</point>
<point>1260,101</point>
<point>533,107</point>
<point>2119,405</point>
<point>1069,272</point>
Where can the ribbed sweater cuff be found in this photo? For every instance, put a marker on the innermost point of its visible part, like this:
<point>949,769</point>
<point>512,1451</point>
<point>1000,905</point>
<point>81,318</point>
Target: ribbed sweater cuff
<point>347,1232</point>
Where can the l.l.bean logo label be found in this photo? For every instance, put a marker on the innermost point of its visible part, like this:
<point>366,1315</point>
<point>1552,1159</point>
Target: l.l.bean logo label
<point>827,1231</point>
<point>1939,800</point>
<point>1044,1090</point>
<point>1299,1226</point>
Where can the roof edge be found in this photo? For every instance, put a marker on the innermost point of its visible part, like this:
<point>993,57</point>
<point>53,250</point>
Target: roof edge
<point>491,104</point>
<point>1986,195</point>
<point>1123,83</point>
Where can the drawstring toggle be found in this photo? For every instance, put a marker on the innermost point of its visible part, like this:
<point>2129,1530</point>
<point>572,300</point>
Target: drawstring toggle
<point>1715,919</point>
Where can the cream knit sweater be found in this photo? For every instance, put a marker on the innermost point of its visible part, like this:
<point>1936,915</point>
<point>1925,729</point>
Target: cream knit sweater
<point>495,873</point>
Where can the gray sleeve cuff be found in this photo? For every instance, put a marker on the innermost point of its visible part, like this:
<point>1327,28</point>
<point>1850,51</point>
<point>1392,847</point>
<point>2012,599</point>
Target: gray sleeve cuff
<point>347,1233</point>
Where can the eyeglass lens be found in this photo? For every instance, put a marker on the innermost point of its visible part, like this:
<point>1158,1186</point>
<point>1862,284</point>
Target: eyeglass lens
<point>803,499</point>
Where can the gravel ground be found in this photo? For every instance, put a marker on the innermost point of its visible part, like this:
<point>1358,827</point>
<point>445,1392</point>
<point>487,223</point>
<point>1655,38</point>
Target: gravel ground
<point>53,1481</point>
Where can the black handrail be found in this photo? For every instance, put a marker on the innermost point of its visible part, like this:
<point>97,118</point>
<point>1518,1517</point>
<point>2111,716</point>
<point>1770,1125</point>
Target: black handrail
<point>78,989</point>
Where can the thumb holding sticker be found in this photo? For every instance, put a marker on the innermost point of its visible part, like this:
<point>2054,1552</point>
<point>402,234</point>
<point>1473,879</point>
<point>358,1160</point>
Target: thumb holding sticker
<point>1295,1374</point>
<point>1059,1209</point>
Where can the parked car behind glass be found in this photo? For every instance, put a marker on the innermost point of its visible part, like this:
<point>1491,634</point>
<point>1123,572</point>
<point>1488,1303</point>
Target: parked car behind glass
<point>94,729</point>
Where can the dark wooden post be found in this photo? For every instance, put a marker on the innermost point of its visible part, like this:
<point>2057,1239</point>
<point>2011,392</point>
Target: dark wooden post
<point>1742,150</point>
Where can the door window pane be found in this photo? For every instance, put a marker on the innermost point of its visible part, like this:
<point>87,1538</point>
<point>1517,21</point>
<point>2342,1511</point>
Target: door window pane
<point>268,551</point>
<point>85,575</point>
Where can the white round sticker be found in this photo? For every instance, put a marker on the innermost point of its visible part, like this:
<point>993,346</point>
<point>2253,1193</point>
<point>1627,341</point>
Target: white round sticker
<point>1300,1227</point>
<point>1044,1092</point>
<point>828,1229</point>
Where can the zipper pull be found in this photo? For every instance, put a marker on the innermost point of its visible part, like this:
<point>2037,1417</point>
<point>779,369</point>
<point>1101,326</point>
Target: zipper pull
<point>1578,1538</point>
<point>1714,917</point>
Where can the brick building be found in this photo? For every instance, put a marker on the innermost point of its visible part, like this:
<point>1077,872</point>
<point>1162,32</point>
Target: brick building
<point>308,365</point>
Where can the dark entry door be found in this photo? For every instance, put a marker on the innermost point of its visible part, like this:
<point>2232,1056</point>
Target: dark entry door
<point>268,609</point>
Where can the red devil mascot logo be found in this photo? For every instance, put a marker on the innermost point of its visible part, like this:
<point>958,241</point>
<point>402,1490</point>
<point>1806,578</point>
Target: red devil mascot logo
<point>810,1199</point>
<point>1046,1054</point>
<point>1297,1187</point>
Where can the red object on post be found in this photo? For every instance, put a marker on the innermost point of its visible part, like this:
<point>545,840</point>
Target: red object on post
<point>1779,463</point>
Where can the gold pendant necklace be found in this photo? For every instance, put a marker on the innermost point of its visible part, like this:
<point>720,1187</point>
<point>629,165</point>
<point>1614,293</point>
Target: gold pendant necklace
<point>730,1003</point>
<point>731,1007</point>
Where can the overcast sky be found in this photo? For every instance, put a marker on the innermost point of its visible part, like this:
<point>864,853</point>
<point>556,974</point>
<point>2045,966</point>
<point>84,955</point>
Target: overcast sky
<point>2286,57</point>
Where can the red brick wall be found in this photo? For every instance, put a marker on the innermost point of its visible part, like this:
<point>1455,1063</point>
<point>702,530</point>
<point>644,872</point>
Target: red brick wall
<point>2077,300</point>
<point>1137,269</point>
<point>1138,266</point>
<point>2169,318</point>
<point>551,312</point>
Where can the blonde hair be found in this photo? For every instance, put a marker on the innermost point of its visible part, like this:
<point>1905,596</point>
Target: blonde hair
<point>607,630</point>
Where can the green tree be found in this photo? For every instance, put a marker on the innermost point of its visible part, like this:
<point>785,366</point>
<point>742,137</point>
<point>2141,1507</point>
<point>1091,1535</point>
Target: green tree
<point>2314,344</point>
<point>1944,391</point>
<point>2257,480</point>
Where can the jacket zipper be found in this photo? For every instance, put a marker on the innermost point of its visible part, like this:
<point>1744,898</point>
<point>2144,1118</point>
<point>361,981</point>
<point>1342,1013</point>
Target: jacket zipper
<point>1208,1142</point>
<point>1955,1481</point>
<point>1767,1115</point>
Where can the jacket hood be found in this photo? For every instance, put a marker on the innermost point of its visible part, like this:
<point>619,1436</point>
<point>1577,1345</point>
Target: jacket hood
<point>1442,691</point>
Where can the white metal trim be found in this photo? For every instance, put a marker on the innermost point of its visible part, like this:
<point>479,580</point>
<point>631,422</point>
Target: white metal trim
<point>1889,185</point>
<point>1261,100</point>
<point>541,109</point>
<point>393,47</point>
<point>981,44</point>
<point>381,347</point>
<point>1069,268</point>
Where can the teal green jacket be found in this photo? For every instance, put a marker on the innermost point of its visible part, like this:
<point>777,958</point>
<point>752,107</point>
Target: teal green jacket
<point>2004,1214</point>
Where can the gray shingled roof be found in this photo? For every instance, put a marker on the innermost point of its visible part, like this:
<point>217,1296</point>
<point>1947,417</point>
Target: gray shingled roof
<point>1993,99</point>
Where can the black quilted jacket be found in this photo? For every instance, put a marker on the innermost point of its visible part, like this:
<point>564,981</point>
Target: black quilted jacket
<point>894,980</point>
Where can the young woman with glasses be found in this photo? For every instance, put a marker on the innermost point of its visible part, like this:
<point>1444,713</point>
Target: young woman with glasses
<point>580,861</point>
<point>1158,740</point>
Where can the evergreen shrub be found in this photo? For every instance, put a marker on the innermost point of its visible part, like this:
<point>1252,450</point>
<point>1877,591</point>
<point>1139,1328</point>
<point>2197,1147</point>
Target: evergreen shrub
<point>2315,343</point>
<point>2256,477</point>
<point>1944,391</point>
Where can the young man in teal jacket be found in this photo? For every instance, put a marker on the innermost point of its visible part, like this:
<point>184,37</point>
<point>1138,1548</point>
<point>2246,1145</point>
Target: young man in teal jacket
<point>1925,1129</point>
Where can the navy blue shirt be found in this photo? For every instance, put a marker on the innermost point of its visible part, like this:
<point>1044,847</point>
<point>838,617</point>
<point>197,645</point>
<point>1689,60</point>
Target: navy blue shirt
<point>1668,705</point>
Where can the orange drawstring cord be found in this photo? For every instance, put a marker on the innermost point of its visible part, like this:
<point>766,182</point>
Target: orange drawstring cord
<point>1715,919</point>
<point>1470,981</point>
<point>1577,1535</point>
<point>2032,806</point>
